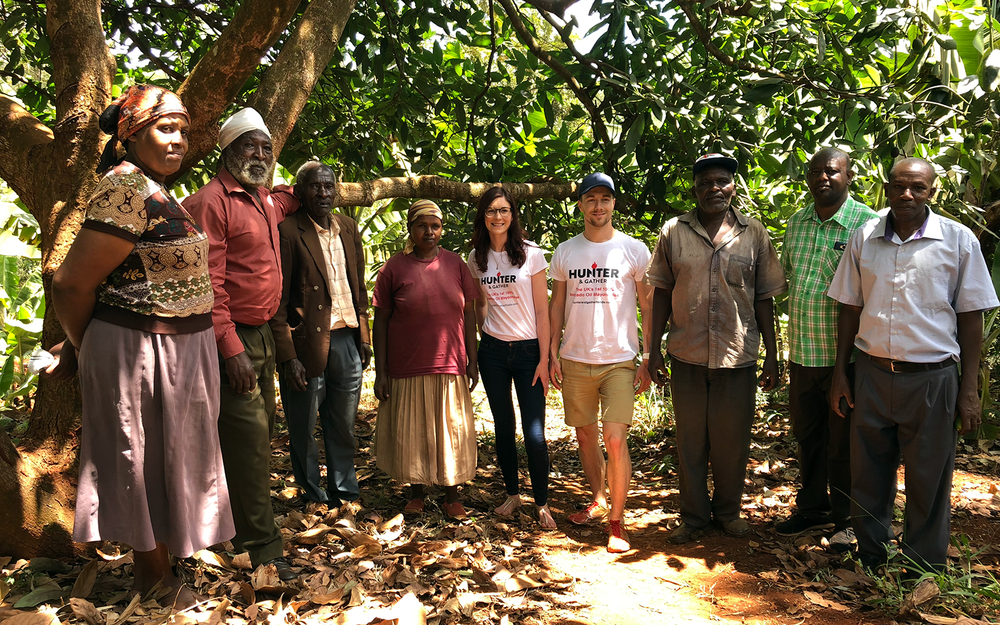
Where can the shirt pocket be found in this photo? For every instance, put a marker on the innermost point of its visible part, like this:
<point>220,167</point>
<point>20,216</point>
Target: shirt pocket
<point>739,271</point>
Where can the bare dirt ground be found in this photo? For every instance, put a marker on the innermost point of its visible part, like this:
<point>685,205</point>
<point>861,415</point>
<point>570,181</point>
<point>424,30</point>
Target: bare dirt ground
<point>364,563</point>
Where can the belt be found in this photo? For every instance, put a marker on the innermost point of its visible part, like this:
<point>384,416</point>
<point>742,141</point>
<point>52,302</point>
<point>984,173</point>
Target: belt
<point>899,366</point>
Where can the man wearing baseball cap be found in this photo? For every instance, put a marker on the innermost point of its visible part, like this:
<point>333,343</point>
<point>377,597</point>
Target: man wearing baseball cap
<point>241,217</point>
<point>714,275</point>
<point>596,284</point>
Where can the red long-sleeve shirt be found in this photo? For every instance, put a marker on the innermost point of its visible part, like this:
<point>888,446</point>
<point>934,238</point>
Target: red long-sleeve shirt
<point>244,259</point>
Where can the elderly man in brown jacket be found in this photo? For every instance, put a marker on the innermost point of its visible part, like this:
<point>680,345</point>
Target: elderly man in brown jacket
<point>321,336</point>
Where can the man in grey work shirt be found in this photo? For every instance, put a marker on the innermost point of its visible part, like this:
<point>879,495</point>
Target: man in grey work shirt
<point>913,287</point>
<point>715,274</point>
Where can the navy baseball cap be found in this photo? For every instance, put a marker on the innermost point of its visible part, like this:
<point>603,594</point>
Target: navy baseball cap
<point>715,160</point>
<point>596,180</point>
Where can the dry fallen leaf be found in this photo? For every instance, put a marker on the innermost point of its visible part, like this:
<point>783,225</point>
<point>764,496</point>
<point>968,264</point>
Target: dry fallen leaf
<point>85,610</point>
<point>823,602</point>
<point>934,619</point>
<point>85,580</point>
<point>313,535</point>
<point>32,618</point>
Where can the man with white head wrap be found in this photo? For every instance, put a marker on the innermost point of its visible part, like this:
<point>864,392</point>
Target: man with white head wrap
<point>241,216</point>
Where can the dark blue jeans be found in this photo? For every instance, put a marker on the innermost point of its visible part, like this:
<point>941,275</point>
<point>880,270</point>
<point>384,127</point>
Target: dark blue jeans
<point>333,397</point>
<point>500,363</point>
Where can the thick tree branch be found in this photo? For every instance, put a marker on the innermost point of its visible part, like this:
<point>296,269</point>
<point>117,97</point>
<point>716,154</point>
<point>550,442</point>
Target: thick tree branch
<point>435,187</point>
<point>528,40</point>
<point>287,84</point>
<point>82,70</point>
<point>20,136</point>
<point>218,77</point>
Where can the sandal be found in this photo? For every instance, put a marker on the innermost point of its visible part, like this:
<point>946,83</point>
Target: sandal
<point>455,510</point>
<point>416,506</point>
<point>544,517</point>
<point>509,507</point>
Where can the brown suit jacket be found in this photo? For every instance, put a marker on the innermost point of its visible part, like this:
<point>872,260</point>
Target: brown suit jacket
<point>301,327</point>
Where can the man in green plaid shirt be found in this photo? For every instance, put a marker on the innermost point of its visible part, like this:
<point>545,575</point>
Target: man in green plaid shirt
<point>815,240</point>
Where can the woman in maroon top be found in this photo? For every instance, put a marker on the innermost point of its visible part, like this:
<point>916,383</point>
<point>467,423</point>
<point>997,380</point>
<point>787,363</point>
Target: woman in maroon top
<point>425,364</point>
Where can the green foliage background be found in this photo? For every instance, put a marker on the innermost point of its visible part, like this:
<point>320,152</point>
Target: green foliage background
<point>457,89</point>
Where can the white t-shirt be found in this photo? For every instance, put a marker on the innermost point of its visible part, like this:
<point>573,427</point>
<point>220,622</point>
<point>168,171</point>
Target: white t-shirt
<point>600,279</point>
<point>510,312</point>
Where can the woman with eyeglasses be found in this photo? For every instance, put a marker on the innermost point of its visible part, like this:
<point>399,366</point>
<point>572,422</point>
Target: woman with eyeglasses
<point>513,347</point>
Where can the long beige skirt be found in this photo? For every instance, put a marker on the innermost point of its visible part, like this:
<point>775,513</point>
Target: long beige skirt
<point>425,432</point>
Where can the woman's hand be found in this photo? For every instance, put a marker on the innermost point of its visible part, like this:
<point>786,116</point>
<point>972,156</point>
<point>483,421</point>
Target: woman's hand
<point>65,365</point>
<point>555,373</point>
<point>542,375</point>
<point>472,370</point>
<point>381,387</point>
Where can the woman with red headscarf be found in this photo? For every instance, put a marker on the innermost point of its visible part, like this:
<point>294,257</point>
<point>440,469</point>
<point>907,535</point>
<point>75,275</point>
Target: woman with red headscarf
<point>135,299</point>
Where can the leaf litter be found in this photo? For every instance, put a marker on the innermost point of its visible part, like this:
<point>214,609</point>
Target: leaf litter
<point>368,564</point>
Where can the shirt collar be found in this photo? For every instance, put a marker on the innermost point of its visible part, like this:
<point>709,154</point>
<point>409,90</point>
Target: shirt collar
<point>844,215</point>
<point>930,229</point>
<point>334,226</point>
<point>691,216</point>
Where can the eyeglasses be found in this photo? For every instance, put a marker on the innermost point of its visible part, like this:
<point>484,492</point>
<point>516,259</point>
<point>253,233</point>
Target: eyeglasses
<point>502,212</point>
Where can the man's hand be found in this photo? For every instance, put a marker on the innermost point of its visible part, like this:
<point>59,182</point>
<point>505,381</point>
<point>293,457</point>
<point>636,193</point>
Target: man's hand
<point>295,373</point>
<point>657,368</point>
<point>542,375</point>
<point>241,374</point>
<point>472,371</point>
<point>65,365</point>
<point>840,387</point>
<point>381,386</point>
<point>769,379</point>
<point>366,356</point>
<point>642,381</point>
<point>555,373</point>
<point>969,410</point>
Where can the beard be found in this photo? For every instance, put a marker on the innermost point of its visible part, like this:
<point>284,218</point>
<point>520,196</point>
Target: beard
<point>248,171</point>
<point>598,222</point>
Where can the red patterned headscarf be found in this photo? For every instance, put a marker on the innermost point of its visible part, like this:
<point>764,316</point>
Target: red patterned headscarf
<point>133,110</point>
<point>142,104</point>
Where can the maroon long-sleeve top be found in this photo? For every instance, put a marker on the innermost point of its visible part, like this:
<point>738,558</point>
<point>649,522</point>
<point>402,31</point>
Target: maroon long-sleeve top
<point>244,259</point>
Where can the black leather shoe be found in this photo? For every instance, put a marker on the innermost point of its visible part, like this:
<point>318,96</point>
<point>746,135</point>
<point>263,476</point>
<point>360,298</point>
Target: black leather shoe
<point>285,572</point>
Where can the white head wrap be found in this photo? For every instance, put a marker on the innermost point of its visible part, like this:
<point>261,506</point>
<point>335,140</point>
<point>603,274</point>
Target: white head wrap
<point>244,120</point>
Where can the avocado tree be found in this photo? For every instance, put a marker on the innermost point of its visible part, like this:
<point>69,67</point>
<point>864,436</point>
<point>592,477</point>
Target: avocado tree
<point>439,99</point>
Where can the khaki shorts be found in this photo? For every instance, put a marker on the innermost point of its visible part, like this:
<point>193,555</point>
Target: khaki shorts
<point>590,391</point>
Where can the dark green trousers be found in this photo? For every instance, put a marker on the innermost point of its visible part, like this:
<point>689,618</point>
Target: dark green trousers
<point>245,425</point>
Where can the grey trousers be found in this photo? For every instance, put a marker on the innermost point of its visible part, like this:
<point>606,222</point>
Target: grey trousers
<point>334,397</point>
<point>824,439</point>
<point>245,425</point>
<point>910,415</point>
<point>714,410</point>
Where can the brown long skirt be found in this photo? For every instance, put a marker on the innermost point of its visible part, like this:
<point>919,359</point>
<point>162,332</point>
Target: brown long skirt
<point>150,464</point>
<point>425,432</point>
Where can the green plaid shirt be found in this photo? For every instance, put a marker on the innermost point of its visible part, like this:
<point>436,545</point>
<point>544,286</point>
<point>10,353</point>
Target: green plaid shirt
<point>809,256</point>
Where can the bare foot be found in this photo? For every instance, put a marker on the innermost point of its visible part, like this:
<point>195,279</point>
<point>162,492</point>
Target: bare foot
<point>509,507</point>
<point>545,520</point>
